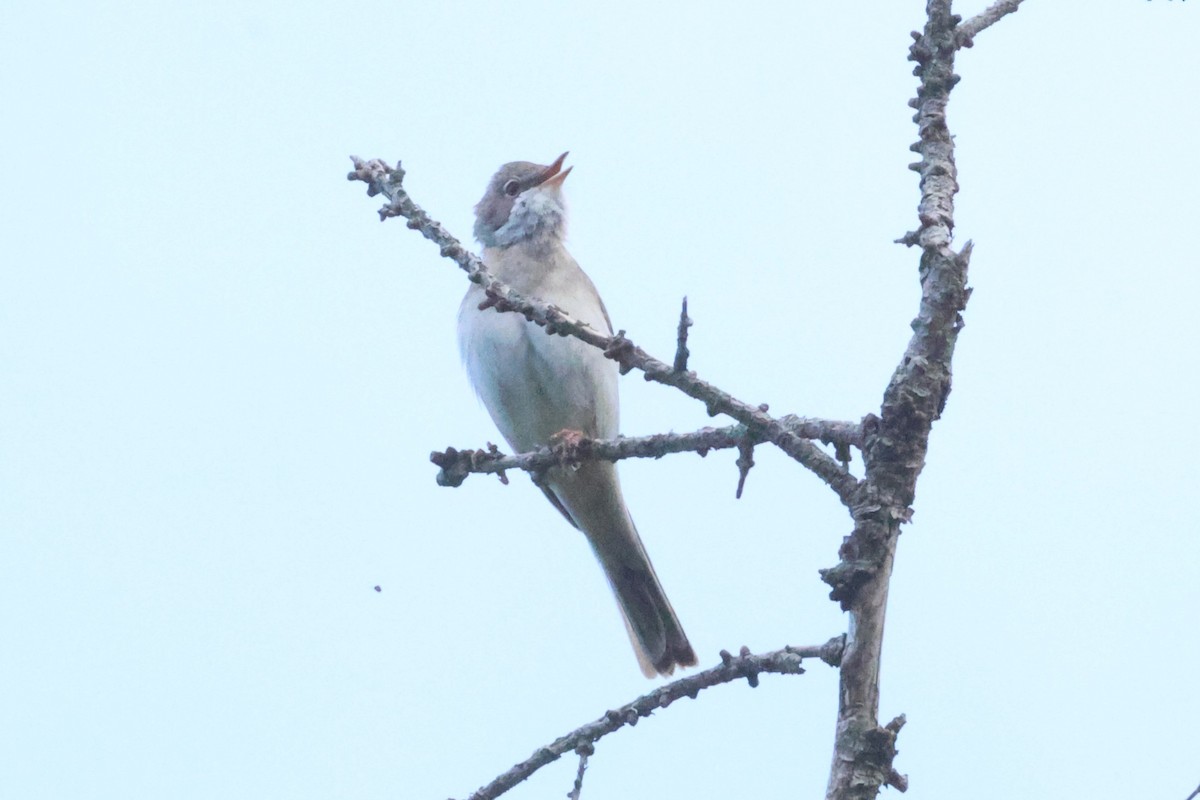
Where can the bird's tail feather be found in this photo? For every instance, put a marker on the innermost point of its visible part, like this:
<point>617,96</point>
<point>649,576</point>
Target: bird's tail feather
<point>591,498</point>
<point>657,637</point>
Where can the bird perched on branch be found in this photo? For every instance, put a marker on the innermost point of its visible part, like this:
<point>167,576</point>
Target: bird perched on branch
<point>536,386</point>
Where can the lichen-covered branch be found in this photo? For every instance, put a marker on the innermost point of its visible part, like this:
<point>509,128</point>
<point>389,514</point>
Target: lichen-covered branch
<point>456,464</point>
<point>895,442</point>
<point>744,665</point>
<point>388,181</point>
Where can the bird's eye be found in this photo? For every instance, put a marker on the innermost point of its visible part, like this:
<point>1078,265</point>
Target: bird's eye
<point>512,188</point>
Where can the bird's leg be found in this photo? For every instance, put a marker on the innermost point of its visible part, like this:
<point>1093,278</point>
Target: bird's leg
<point>570,445</point>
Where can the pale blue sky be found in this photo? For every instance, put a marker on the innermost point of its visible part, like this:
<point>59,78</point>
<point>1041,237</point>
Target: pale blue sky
<point>222,376</point>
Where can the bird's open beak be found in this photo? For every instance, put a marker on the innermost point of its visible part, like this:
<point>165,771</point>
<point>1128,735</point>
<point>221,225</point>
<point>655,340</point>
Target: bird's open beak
<point>554,174</point>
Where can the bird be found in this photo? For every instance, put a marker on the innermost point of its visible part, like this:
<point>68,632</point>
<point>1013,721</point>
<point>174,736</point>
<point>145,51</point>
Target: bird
<point>537,386</point>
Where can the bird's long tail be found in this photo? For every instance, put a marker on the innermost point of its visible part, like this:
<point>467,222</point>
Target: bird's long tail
<point>591,496</point>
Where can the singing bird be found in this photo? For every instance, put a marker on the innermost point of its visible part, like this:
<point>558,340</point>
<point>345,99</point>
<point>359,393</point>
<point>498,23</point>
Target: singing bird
<point>537,385</point>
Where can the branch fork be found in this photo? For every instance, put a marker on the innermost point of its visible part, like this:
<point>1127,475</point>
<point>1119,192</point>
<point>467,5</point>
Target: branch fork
<point>893,443</point>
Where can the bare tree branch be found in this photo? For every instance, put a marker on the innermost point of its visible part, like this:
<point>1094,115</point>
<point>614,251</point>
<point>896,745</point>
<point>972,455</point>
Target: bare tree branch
<point>965,36</point>
<point>896,442</point>
<point>456,464</point>
<point>745,665</point>
<point>383,179</point>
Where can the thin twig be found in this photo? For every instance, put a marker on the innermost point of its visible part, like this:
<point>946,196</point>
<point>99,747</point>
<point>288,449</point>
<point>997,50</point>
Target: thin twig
<point>681,348</point>
<point>457,464</point>
<point>383,179</point>
<point>744,463</point>
<point>745,665</point>
<point>583,751</point>
<point>1194,794</point>
<point>967,31</point>
<point>895,779</point>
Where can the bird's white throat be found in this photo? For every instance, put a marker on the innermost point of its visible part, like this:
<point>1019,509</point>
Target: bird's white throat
<point>536,214</point>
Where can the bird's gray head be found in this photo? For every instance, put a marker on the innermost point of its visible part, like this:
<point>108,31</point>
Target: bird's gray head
<point>523,202</point>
